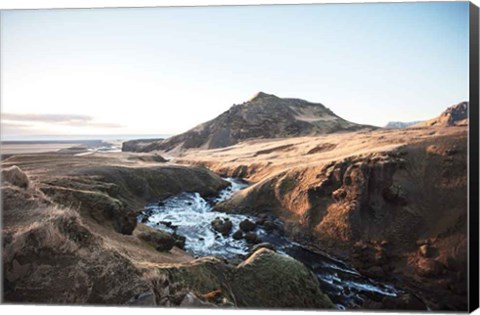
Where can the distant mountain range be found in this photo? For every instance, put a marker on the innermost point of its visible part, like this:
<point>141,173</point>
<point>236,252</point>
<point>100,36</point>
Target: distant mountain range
<point>401,124</point>
<point>263,116</point>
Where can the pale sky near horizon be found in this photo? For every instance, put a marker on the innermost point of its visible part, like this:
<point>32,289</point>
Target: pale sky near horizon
<point>165,70</point>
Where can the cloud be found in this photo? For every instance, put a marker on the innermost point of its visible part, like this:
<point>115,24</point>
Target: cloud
<point>15,129</point>
<point>47,118</point>
<point>60,119</point>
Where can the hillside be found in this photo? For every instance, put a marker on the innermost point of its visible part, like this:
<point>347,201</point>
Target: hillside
<point>140,145</point>
<point>391,201</point>
<point>264,116</point>
<point>70,236</point>
<point>456,115</point>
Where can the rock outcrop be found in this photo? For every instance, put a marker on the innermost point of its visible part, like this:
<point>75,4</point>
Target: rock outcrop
<point>141,145</point>
<point>456,115</point>
<point>265,275</point>
<point>264,280</point>
<point>388,201</point>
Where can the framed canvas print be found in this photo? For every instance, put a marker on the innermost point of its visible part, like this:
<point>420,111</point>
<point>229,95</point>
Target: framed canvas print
<point>288,157</point>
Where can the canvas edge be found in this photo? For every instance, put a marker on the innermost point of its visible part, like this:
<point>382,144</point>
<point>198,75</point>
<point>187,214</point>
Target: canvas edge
<point>473,233</point>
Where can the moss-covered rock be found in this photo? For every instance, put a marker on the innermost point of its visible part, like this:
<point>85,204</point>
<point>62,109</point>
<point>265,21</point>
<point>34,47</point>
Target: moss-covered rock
<point>269,280</point>
<point>265,280</point>
<point>204,275</point>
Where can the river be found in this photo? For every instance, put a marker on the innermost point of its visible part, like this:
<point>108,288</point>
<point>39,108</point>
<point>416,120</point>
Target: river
<point>190,215</point>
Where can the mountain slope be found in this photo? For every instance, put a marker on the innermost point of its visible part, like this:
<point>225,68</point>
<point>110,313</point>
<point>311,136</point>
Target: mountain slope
<point>456,115</point>
<point>349,193</point>
<point>263,116</point>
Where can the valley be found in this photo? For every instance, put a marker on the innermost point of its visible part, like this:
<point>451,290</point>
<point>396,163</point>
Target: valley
<point>275,203</point>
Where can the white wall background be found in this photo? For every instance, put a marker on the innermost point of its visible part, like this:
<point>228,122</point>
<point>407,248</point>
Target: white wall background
<point>62,310</point>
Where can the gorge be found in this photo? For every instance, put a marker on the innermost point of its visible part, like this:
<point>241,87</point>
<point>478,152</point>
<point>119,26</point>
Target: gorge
<point>359,216</point>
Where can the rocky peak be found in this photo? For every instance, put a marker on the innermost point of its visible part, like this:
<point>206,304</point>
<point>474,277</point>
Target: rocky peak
<point>264,116</point>
<point>259,96</point>
<point>456,112</point>
<point>456,115</point>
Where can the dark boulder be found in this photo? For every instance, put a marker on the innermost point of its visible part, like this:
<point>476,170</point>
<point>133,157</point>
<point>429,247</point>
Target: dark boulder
<point>269,225</point>
<point>162,241</point>
<point>125,223</point>
<point>180,241</point>
<point>247,225</point>
<point>238,235</point>
<point>222,226</point>
<point>252,238</point>
<point>166,223</point>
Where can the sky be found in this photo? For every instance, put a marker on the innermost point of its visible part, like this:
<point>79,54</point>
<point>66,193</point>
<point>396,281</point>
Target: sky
<point>165,70</point>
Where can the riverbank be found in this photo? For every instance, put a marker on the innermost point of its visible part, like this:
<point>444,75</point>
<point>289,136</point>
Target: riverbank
<point>377,209</point>
<point>71,236</point>
<point>235,236</point>
<point>390,202</point>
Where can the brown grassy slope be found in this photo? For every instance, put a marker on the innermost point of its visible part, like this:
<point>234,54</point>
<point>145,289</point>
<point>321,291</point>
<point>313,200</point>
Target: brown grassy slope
<point>398,188</point>
<point>258,159</point>
<point>112,188</point>
<point>58,259</point>
<point>61,242</point>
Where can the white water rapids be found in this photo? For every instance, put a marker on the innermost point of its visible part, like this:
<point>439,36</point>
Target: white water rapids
<point>190,215</point>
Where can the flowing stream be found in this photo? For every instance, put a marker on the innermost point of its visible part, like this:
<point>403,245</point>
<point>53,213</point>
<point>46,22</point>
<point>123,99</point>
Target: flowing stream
<point>190,215</point>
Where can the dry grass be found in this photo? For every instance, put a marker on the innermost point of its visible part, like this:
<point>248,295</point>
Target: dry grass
<point>256,160</point>
<point>15,176</point>
<point>397,186</point>
<point>58,229</point>
<point>330,186</point>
